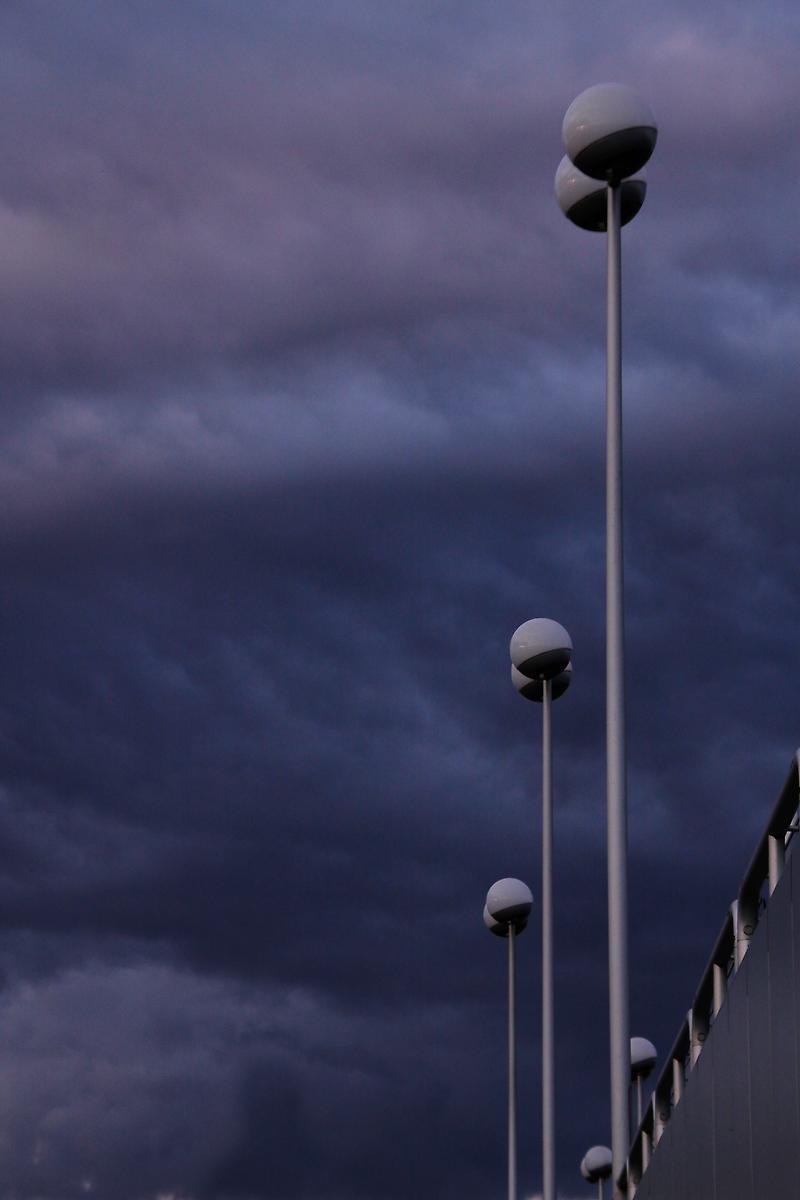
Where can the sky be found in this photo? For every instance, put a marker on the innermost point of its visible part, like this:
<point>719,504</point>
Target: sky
<point>302,414</point>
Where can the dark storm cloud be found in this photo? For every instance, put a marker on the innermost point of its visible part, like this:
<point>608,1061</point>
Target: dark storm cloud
<point>223,190</point>
<point>302,372</point>
<point>97,1053</point>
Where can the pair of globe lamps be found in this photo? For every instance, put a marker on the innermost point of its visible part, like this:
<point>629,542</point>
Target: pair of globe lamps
<point>507,908</point>
<point>609,133</point>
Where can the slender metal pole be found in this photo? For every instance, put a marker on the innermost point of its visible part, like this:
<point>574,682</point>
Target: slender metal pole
<point>512,1072</point>
<point>548,1044</point>
<point>600,1189</point>
<point>615,713</point>
<point>638,1101</point>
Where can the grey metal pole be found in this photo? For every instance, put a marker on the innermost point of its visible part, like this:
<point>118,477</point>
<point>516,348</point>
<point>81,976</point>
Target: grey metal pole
<point>548,1044</point>
<point>615,712</point>
<point>600,1189</point>
<point>512,1071</point>
<point>638,1101</point>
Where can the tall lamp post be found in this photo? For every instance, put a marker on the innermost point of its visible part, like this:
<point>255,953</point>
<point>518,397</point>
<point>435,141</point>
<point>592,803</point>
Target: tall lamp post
<point>609,134</point>
<point>541,651</point>
<point>508,906</point>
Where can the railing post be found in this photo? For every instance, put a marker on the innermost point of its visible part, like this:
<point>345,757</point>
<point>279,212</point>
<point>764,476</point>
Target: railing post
<point>632,1178</point>
<point>776,850</point>
<point>744,925</point>
<point>677,1079</point>
<point>720,988</point>
<point>661,1111</point>
<point>698,1029</point>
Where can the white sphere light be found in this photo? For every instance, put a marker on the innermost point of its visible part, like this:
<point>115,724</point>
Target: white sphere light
<point>501,928</point>
<point>494,926</point>
<point>643,1057</point>
<point>541,648</point>
<point>533,689</point>
<point>596,1164</point>
<point>509,901</point>
<point>585,202</point>
<point>609,132</point>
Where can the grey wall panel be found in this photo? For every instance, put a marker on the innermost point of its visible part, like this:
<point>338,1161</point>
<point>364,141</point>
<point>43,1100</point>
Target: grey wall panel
<point>698,1176</point>
<point>659,1174</point>
<point>732,1094</point>
<point>645,1189</point>
<point>658,1177</point>
<point>761,1101</point>
<point>784,1113</point>
<point>793,871</point>
<point>676,1132</point>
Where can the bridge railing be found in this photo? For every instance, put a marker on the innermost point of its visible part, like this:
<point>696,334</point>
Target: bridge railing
<point>733,941</point>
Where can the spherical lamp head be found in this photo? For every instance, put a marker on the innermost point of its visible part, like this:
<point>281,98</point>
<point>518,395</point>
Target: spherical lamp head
<point>533,689</point>
<point>596,1164</point>
<point>499,928</point>
<point>510,902</point>
<point>541,648</point>
<point>609,132</point>
<point>643,1057</point>
<point>584,200</point>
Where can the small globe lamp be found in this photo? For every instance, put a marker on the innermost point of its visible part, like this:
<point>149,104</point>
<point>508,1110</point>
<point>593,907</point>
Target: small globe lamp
<point>643,1058</point>
<point>509,902</point>
<point>609,132</point>
<point>584,201</point>
<point>533,689</point>
<point>541,648</point>
<point>596,1166</point>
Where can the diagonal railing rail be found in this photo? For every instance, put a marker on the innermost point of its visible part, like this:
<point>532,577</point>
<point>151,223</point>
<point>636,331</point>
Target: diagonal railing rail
<point>730,948</point>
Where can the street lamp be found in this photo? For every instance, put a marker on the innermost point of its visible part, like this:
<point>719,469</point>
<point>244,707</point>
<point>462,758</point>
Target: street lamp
<point>643,1059</point>
<point>541,670</point>
<point>506,912</point>
<point>609,133</point>
<point>596,1166</point>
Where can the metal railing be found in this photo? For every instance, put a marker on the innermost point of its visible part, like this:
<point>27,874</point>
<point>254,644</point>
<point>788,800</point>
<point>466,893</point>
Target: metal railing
<point>733,941</point>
